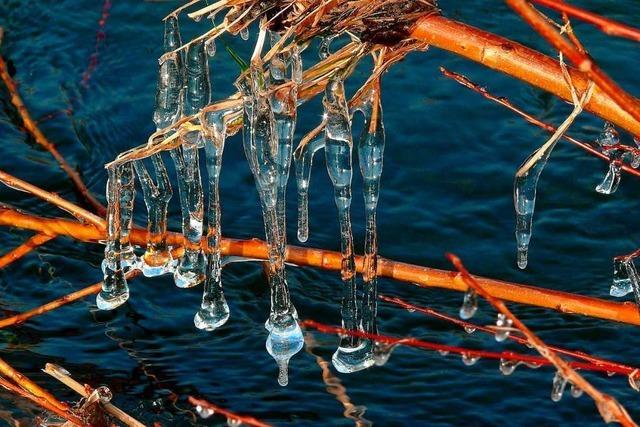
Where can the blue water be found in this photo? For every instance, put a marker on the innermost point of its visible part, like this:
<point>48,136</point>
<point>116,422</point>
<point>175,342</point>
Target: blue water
<point>447,186</point>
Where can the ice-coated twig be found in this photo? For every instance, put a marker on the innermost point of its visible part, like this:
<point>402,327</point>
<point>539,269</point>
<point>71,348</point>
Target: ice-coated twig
<point>115,290</point>
<point>526,179</point>
<point>64,377</point>
<point>609,408</point>
<point>157,259</point>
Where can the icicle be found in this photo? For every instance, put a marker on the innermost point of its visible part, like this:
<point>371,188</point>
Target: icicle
<point>557,387</point>
<point>576,391</point>
<point>157,258</point>
<point>260,145</point>
<point>507,367</point>
<point>611,181</point>
<point>127,199</point>
<point>632,273</point>
<point>296,65</point>
<point>503,326</point>
<point>352,354</point>
<point>115,291</point>
<point>210,47</point>
<point>469,304</point>
<point>284,105</point>
<point>621,285</point>
<point>608,140</point>
<point>524,196</point>
<point>214,310</point>
<point>303,162</point>
<point>469,359</point>
<point>191,268</point>
<point>370,155</point>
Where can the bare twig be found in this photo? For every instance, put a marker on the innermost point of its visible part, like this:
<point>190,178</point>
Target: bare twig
<point>42,140</point>
<point>22,250</point>
<point>9,372</point>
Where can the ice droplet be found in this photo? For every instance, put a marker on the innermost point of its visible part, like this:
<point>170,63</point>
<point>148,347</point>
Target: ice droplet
<point>507,367</point>
<point>557,387</point>
<point>443,352</point>
<point>234,422</point>
<point>621,284</point>
<point>469,359</point>
<point>576,391</point>
<point>244,33</point>
<point>469,329</point>
<point>210,47</point>
<point>502,324</point>
<point>204,412</point>
<point>469,304</point>
<point>104,394</point>
<point>611,180</point>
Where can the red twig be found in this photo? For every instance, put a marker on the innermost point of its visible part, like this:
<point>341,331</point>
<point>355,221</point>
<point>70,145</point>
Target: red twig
<point>101,35</point>
<point>466,82</point>
<point>579,59</point>
<point>230,415</point>
<point>607,364</point>
<point>432,346</point>
<point>606,25</point>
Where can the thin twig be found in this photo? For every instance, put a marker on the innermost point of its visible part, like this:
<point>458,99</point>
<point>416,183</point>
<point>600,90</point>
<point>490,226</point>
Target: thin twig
<point>73,209</point>
<point>22,250</point>
<point>9,372</point>
<point>42,140</point>
<point>609,408</point>
<point>466,82</point>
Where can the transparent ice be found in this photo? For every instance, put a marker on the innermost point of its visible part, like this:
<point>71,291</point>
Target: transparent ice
<point>469,304</point>
<point>621,284</point>
<point>557,387</point>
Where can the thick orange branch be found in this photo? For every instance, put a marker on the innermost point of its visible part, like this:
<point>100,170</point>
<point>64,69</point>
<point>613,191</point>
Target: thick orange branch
<point>516,60</point>
<point>329,260</point>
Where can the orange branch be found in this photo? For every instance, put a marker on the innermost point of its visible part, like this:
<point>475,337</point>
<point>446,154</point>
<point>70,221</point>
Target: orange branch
<point>42,403</point>
<point>9,372</point>
<point>329,260</point>
<point>606,25</point>
<point>25,248</point>
<point>520,62</point>
<point>581,60</point>
<point>38,136</point>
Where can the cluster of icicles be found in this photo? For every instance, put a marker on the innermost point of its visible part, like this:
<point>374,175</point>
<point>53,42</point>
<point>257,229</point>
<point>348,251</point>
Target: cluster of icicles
<point>269,119</point>
<point>625,275</point>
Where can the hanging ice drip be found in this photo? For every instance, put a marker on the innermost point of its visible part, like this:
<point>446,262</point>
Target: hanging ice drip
<point>191,268</point>
<point>214,311</point>
<point>260,141</point>
<point>352,354</point>
<point>115,291</point>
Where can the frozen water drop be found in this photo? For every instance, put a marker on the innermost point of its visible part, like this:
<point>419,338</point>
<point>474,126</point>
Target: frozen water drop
<point>104,394</point>
<point>234,422</point>
<point>507,367</point>
<point>469,304</point>
<point>204,412</point>
<point>503,324</point>
<point>469,360</point>
<point>443,352</point>
<point>576,391</point>
<point>621,284</point>
<point>469,329</point>
<point>611,180</point>
<point>210,47</point>
<point>557,387</point>
<point>244,34</point>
